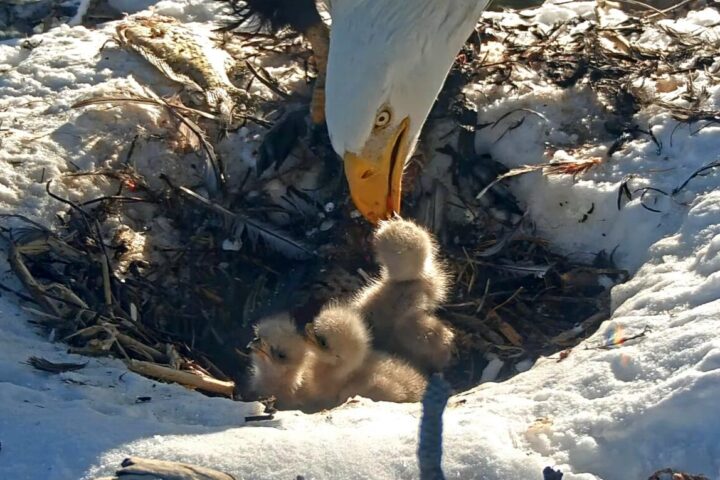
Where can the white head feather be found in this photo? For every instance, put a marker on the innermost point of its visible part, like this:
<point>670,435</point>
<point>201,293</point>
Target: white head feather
<point>390,53</point>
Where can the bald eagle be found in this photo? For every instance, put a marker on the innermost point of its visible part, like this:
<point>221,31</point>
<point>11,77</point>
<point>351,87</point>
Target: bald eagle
<point>386,63</point>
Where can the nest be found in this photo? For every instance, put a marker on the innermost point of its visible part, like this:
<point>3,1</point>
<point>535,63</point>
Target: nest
<point>183,314</point>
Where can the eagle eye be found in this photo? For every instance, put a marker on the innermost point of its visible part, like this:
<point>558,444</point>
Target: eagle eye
<point>383,118</point>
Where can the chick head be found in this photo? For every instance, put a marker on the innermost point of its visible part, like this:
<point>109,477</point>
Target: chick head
<point>278,343</point>
<point>403,248</point>
<point>338,336</point>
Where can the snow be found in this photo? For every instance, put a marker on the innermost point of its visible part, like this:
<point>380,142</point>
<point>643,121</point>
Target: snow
<point>618,413</point>
<point>53,427</point>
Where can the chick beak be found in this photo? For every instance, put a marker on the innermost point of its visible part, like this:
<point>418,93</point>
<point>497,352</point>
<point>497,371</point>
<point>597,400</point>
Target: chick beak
<point>256,345</point>
<point>310,335</point>
<point>375,175</point>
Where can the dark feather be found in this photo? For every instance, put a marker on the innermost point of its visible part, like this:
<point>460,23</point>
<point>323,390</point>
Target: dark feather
<point>273,15</point>
<point>281,139</point>
<point>273,238</point>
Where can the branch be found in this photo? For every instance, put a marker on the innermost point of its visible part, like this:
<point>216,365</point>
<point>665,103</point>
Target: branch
<point>191,380</point>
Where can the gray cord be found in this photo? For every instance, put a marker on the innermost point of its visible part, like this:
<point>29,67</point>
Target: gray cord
<point>430,445</point>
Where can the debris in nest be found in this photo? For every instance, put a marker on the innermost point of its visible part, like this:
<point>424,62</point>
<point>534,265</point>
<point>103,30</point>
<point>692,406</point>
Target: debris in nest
<point>259,418</point>
<point>193,379</point>
<point>671,474</point>
<point>240,225</point>
<point>702,171</point>
<point>601,53</point>
<point>615,337</point>
<point>103,329</point>
<point>586,327</point>
<point>568,167</point>
<point>54,367</point>
<point>129,248</point>
<point>564,354</point>
<point>135,467</point>
<point>185,58</point>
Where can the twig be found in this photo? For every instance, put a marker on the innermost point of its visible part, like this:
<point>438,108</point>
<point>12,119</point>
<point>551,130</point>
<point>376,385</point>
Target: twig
<point>36,290</point>
<point>107,288</point>
<point>669,9</point>
<point>259,418</point>
<point>117,198</point>
<point>191,380</point>
<point>643,5</point>
<point>621,341</point>
<point>135,467</point>
<point>700,171</point>
<point>268,83</point>
<point>498,307</point>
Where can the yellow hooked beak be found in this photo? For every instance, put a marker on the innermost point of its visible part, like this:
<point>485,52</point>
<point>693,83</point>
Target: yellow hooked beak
<point>375,175</point>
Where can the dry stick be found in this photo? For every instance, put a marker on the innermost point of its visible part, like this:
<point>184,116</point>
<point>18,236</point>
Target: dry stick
<point>568,337</point>
<point>267,82</point>
<point>669,9</point>
<point>38,295</point>
<point>498,307</point>
<point>643,5</point>
<point>135,467</point>
<point>187,379</point>
<point>53,367</point>
<point>622,341</point>
<point>95,225</point>
<point>551,168</point>
<point>106,282</point>
<point>36,290</point>
<point>150,352</point>
<point>117,198</point>
<point>481,304</point>
<point>25,219</point>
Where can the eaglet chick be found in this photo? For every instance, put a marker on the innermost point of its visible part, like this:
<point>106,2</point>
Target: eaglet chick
<point>346,366</point>
<point>399,305</point>
<point>281,363</point>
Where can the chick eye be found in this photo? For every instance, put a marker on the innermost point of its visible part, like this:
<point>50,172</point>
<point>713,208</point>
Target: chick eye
<point>383,118</point>
<point>322,342</point>
<point>279,354</point>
